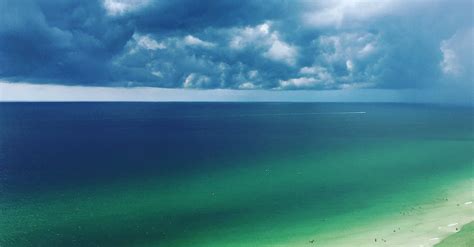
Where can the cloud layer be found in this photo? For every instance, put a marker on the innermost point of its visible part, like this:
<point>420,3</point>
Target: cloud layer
<point>249,44</point>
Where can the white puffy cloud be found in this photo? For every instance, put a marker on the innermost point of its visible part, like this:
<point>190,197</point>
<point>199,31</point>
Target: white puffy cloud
<point>349,65</point>
<point>281,51</point>
<point>300,82</point>
<point>457,53</point>
<point>146,42</point>
<point>157,73</point>
<point>457,65</point>
<point>252,74</point>
<point>118,7</point>
<point>357,85</point>
<point>346,58</point>
<point>318,71</point>
<point>250,35</point>
<point>348,45</point>
<point>450,63</point>
<point>368,49</point>
<point>247,85</point>
<point>311,77</point>
<point>195,80</point>
<point>310,70</point>
<point>141,43</point>
<point>261,36</point>
<point>194,41</point>
<point>332,13</point>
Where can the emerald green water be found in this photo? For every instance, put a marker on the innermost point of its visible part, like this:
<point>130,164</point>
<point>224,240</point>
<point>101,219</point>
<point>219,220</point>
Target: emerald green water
<point>464,238</point>
<point>221,174</point>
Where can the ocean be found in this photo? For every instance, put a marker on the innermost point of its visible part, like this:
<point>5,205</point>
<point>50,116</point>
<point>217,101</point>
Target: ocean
<point>226,174</point>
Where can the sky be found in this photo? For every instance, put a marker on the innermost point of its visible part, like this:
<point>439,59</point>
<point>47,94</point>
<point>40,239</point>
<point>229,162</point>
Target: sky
<point>247,50</point>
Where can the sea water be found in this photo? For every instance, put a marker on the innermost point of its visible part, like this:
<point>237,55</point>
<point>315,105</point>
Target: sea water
<point>221,174</point>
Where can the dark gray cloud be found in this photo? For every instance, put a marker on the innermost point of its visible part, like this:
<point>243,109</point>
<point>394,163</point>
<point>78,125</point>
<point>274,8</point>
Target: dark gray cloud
<point>247,44</point>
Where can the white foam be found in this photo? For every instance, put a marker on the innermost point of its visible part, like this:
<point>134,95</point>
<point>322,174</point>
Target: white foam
<point>452,224</point>
<point>434,239</point>
<point>467,203</point>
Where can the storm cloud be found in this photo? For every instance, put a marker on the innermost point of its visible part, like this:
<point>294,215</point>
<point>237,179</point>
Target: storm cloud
<point>250,44</point>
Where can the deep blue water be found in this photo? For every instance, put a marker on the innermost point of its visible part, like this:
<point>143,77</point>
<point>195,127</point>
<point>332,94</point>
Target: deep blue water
<point>61,144</point>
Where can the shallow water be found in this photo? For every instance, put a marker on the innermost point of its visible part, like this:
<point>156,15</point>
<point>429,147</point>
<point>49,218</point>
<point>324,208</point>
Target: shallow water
<point>219,174</point>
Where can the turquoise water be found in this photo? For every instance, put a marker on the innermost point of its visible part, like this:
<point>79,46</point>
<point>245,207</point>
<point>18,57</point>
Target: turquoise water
<point>219,174</point>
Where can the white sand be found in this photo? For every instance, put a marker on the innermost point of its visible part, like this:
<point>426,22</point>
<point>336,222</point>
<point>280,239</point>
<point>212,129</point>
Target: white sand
<point>422,225</point>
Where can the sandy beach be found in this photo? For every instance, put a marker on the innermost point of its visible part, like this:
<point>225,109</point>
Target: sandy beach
<point>463,238</point>
<point>421,225</point>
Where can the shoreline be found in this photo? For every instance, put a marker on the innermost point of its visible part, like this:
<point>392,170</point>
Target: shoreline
<point>422,225</point>
<point>464,237</point>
